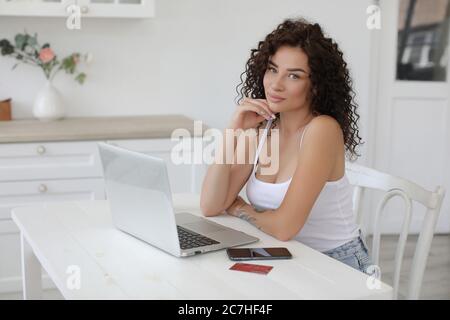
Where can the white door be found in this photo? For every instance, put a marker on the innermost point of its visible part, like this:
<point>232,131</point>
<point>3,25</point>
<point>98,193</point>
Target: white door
<point>412,129</point>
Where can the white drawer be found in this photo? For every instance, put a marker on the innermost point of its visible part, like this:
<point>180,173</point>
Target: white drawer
<point>15,194</point>
<point>49,160</point>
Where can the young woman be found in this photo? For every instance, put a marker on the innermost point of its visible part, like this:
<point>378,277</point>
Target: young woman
<point>296,81</point>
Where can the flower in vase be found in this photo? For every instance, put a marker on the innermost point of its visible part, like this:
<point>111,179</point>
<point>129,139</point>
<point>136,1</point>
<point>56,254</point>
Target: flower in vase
<point>26,49</point>
<point>46,55</point>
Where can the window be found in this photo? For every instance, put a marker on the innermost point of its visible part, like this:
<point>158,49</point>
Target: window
<point>423,34</point>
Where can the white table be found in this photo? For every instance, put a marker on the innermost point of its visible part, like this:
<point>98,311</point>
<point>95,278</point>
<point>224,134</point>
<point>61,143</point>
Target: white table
<point>87,258</point>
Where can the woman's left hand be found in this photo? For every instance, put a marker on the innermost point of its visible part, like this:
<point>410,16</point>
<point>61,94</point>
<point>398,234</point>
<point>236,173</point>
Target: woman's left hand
<point>236,206</point>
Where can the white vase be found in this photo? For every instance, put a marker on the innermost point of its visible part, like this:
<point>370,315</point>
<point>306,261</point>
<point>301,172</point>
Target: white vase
<point>48,104</point>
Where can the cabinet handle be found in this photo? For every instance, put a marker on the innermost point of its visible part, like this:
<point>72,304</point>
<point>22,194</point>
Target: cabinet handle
<point>42,188</point>
<point>40,149</point>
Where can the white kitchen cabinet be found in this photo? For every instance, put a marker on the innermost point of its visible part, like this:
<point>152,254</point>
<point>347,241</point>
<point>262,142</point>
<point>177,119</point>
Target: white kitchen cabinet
<point>88,8</point>
<point>15,194</point>
<point>66,171</point>
<point>49,160</point>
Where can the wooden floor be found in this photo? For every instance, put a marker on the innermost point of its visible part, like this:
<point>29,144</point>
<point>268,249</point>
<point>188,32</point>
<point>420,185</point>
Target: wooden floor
<point>436,282</point>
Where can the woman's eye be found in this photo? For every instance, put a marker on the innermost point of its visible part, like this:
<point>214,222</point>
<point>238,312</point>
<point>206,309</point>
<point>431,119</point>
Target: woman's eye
<point>292,75</point>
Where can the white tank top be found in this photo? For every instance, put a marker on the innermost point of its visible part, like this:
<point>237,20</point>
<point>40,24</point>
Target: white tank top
<point>331,221</point>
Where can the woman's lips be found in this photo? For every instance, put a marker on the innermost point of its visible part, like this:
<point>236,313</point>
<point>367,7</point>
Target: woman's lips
<point>274,99</point>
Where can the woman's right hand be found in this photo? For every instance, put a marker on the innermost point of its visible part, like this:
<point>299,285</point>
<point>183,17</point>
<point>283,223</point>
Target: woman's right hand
<point>249,113</point>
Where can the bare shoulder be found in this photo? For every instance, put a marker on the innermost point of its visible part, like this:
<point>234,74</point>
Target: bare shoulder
<point>325,127</point>
<point>325,133</point>
<point>325,122</point>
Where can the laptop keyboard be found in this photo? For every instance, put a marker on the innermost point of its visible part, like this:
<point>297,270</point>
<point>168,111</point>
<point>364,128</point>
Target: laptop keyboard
<point>189,239</point>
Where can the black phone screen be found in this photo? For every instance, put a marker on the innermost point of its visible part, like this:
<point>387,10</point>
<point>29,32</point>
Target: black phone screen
<point>258,253</point>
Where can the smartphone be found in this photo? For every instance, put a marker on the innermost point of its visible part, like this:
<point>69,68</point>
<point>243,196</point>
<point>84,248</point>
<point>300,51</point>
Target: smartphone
<point>240,254</point>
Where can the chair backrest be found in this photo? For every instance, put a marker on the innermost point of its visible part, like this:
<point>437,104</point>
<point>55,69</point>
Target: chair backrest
<point>361,178</point>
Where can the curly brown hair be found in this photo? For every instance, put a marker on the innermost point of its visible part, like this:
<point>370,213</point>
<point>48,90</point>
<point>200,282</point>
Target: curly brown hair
<point>331,85</point>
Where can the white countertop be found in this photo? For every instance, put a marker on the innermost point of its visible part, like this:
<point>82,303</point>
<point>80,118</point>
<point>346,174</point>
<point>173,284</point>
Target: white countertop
<point>94,128</point>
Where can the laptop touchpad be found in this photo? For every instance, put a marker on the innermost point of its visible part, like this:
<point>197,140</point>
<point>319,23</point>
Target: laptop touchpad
<point>202,227</point>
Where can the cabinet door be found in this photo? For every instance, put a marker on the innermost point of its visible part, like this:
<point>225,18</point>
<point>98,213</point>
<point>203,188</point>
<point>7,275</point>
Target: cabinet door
<point>118,8</point>
<point>49,160</point>
<point>14,194</point>
<point>88,8</point>
<point>185,177</point>
<point>36,8</point>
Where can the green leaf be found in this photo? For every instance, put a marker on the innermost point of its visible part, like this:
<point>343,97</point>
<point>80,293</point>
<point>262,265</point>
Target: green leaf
<point>68,65</point>
<point>32,41</point>
<point>20,40</point>
<point>81,77</point>
<point>4,43</point>
<point>7,49</point>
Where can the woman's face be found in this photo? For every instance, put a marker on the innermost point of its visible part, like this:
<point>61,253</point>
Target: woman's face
<point>286,81</point>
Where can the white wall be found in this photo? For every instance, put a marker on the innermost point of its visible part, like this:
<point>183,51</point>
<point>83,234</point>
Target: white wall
<point>185,60</point>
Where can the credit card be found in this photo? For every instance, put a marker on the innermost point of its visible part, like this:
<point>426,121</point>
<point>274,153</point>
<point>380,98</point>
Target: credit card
<point>247,267</point>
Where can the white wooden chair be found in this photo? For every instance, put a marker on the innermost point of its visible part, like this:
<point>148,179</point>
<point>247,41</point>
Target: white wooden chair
<point>361,178</point>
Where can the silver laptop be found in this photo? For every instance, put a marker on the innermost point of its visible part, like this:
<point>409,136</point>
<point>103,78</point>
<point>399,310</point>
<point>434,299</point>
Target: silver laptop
<point>138,190</point>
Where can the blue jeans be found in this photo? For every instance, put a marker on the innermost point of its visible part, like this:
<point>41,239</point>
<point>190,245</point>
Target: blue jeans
<point>353,253</point>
